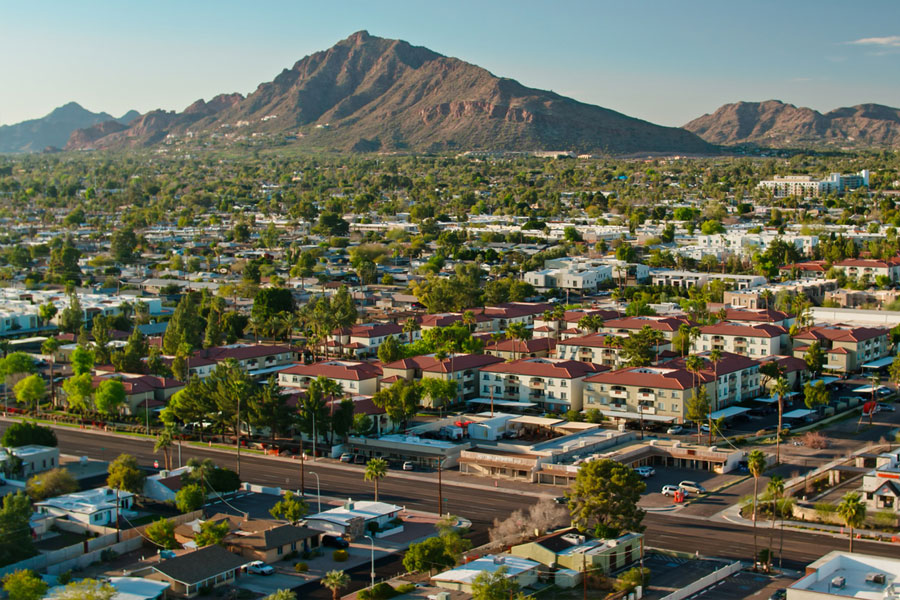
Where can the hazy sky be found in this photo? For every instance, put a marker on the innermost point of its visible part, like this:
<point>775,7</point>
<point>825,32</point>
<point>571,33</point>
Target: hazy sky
<point>665,61</point>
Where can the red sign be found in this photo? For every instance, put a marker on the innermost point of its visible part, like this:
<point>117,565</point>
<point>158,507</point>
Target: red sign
<point>869,408</point>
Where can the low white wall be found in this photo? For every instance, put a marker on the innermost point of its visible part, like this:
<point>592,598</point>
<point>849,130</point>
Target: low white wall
<point>704,582</point>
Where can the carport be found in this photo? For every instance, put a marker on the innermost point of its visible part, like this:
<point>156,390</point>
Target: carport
<point>868,389</point>
<point>800,413</point>
<point>825,380</point>
<point>727,413</point>
<point>878,364</point>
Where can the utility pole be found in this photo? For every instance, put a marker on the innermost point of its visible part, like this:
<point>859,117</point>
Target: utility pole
<point>302,470</point>
<point>440,490</point>
<point>238,435</point>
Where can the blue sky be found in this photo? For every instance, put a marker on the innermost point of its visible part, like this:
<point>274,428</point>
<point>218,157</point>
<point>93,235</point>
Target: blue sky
<point>664,61</point>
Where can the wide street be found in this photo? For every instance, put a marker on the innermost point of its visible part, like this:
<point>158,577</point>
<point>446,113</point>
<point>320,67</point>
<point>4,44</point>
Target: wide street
<point>473,499</point>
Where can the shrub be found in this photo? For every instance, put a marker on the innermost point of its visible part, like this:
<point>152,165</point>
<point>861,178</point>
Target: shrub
<point>291,555</point>
<point>108,555</point>
<point>64,577</point>
<point>301,567</point>
<point>405,588</point>
<point>339,555</point>
<point>380,591</point>
<point>815,440</point>
<point>373,527</point>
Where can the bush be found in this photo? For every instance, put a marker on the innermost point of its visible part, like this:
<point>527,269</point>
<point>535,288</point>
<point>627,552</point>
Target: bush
<point>405,588</point>
<point>815,440</point>
<point>291,555</point>
<point>632,578</point>
<point>109,555</point>
<point>339,555</point>
<point>380,591</point>
<point>373,527</point>
<point>301,567</point>
<point>64,577</point>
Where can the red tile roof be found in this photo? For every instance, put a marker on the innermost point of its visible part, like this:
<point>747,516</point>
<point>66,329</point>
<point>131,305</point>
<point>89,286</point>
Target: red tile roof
<point>759,330</point>
<point>336,369</point>
<point>461,362</point>
<point>728,363</point>
<point>532,345</point>
<point>812,265</point>
<point>836,333</point>
<point>371,330</point>
<point>594,340</point>
<point>546,367</point>
<point>650,377</point>
<point>658,323</point>
<point>859,262</point>
<point>760,316</point>
<point>413,362</point>
<point>240,352</point>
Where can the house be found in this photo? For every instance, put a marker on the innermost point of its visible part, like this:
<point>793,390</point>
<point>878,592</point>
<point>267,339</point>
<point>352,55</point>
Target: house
<point>354,518</point>
<point>189,573</point>
<point>846,347</point>
<point>667,326</point>
<point>257,539</point>
<point>809,270</point>
<point>461,578</point>
<point>881,486</point>
<point>513,349</point>
<point>599,348</point>
<point>848,575</point>
<point>364,340</point>
<point>355,377</point>
<point>163,486</point>
<point>35,458</point>
<point>761,339</point>
<point>552,384</point>
<point>572,553</point>
<point>138,588</point>
<point>91,507</point>
<point>258,360</point>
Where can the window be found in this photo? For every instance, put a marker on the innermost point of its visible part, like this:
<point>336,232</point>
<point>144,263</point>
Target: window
<point>280,550</point>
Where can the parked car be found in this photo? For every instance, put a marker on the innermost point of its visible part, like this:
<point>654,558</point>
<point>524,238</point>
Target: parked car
<point>561,500</point>
<point>359,459</point>
<point>692,486</point>
<point>669,490</point>
<point>675,430</point>
<point>645,471</point>
<point>883,392</point>
<point>704,428</point>
<point>347,457</point>
<point>258,567</point>
<point>409,466</point>
<point>779,594</point>
<point>333,541</point>
<point>886,407</point>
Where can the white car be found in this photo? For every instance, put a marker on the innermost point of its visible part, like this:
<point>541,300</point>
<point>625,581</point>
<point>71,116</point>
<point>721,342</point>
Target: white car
<point>645,471</point>
<point>669,490</point>
<point>675,430</point>
<point>409,466</point>
<point>692,486</point>
<point>258,567</point>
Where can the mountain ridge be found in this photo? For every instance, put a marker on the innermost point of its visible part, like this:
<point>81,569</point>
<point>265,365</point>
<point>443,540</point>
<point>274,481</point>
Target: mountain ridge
<point>54,129</point>
<point>779,124</point>
<point>369,93</point>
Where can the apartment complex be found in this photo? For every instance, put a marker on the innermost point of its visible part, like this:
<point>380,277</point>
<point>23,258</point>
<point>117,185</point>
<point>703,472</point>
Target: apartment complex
<point>846,348</point>
<point>754,340</point>
<point>554,385</point>
<point>807,185</point>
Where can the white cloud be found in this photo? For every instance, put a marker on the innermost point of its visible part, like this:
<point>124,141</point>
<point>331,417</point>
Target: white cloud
<point>891,41</point>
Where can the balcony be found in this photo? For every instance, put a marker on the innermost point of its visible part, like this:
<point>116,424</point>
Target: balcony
<point>650,396</point>
<point>537,384</point>
<point>647,410</point>
<point>622,407</point>
<point>619,394</point>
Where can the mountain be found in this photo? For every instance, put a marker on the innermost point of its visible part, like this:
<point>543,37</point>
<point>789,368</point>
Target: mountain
<point>373,94</point>
<point>53,130</point>
<point>776,124</point>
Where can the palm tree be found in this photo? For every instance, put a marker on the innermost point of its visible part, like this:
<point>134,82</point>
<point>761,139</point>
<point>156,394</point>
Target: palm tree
<point>592,323</point>
<point>853,512</point>
<point>518,332</point>
<point>756,464</point>
<point>767,295</point>
<point>775,491</point>
<point>331,391</point>
<point>715,355</point>
<point>256,325</point>
<point>336,581</point>
<point>49,347</point>
<point>376,469</point>
<point>164,442</point>
<point>468,319</point>
<point>779,389</point>
<point>410,326</point>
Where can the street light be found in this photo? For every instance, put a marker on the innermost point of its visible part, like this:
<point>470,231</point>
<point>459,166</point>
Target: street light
<point>318,490</point>
<point>373,558</point>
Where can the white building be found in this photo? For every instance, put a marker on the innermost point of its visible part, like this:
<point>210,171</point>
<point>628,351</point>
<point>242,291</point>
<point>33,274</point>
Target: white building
<point>91,507</point>
<point>353,518</point>
<point>881,486</point>
<point>807,185</point>
<point>848,575</point>
<point>461,578</point>
<point>687,279</point>
<point>35,459</point>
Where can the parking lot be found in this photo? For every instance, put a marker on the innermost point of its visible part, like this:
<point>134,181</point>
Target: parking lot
<point>743,586</point>
<point>653,498</point>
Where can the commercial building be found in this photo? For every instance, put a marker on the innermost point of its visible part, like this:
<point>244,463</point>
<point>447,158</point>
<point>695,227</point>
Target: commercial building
<point>806,186</point>
<point>848,575</point>
<point>881,486</point>
<point>353,518</point>
<point>35,459</point>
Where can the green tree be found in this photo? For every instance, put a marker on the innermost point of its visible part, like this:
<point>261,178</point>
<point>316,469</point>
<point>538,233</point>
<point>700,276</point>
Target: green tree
<point>268,408</point>
<point>376,470</point>
<point>124,474</point>
<point>815,358</point>
<point>853,511</point>
<point>780,390</point>
<point>24,584</point>
<point>336,580</point>
<point>269,302</point>
<point>698,408</point>
<point>122,245</point>
<point>362,424</point>
<point>30,391</point>
<point>46,312</point>
<point>185,327</point>
<point>162,533</point>
<point>815,395</point>
<point>82,361</point>
<point>72,316</point>
<point>441,392</point>
<point>639,349</point>
<point>281,595</point>
<point>632,578</point>
<point>427,556</point>
<point>15,532</point>
<point>55,482</point>
<point>27,433</point>
<point>604,499</point>
<point>496,585</point>
<point>189,498</point>
<point>86,589</point>
<point>211,533</point>
<point>400,400</point>
<point>110,395</point>
<point>290,508</point>
<point>390,350</point>
<point>756,464</point>
<point>78,390</point>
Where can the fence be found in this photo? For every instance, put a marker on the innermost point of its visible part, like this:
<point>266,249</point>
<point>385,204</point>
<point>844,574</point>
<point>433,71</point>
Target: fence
<point>704,582</point>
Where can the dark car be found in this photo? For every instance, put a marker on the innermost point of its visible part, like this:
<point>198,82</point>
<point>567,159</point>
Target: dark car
<point>779,594</point>
<point>334,541</point>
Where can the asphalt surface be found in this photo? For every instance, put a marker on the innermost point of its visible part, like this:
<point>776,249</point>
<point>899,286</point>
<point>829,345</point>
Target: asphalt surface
<point>672,531</point>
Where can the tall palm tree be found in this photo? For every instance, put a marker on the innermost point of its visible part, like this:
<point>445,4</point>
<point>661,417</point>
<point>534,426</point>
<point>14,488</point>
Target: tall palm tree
<point>715,355</point>
<point>767,295</point>
<point>694,364</point>
<point>336,581</point>
<point>853,511</point>
<point>684,336</point>
<point>164,441</point>
<point>410,326</point>
<point>518,332</point>
<point>468,319</point>
<point>256,325</point>
<point>756,464</point>
<point>775,491</point>
<point>376,470</point>
<point>331,391</point>
<point>592,323</point>
<point>780,389</point>
<point>49,347</point>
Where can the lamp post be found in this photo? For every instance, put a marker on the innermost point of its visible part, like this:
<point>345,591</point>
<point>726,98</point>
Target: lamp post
<point>440,489</point>
<point>302,471</point>
<point>147,413</point>
<point>238,435</point>
<point>318,490</point>
<point>373,558</point>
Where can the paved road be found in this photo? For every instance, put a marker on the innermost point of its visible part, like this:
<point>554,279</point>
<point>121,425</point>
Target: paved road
<point>664,530</point>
